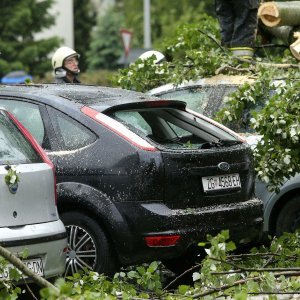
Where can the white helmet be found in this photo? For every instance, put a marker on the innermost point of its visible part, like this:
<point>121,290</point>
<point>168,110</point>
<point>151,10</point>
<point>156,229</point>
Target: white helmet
<point>60,55</point>
<point>159,56</point>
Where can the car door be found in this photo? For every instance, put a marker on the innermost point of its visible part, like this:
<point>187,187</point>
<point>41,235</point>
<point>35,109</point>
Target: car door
<point>73,140</point>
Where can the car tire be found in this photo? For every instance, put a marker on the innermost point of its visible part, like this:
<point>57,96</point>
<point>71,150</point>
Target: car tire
<point>289,217</point>
<point>88,246</point>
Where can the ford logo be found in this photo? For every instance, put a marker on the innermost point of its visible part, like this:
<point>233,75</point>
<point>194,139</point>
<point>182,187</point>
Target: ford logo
<point>224,166</point>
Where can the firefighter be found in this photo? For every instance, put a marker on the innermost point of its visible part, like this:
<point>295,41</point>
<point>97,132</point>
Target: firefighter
<point>65,65</point>
<point>238,22</point>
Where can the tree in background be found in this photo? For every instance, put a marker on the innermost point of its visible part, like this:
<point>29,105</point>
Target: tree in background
<point>165,17</point>
<point>106,45</point>
<point>19,21</point>
<point>84,20</point>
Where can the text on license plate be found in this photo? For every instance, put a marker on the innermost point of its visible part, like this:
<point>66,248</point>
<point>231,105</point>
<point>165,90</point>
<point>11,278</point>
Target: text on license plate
<point>221,182</point>
<point>35,265</point>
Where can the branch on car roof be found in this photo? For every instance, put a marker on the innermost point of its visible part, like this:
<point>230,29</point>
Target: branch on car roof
<point>225,69</point>
<point>280,66</point>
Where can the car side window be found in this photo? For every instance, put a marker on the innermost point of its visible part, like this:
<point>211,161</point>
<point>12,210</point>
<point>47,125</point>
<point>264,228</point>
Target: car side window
<point>71,134</point>
<point>29,115</point>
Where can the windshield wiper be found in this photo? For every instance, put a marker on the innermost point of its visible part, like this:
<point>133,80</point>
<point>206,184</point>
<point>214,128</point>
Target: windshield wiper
<point>228,143</point>
<point>173,141</point>
<point>219,143</point>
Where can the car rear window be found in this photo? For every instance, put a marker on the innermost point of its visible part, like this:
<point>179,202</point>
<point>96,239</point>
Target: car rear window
<point>171,127</point>
<point>14,147</point>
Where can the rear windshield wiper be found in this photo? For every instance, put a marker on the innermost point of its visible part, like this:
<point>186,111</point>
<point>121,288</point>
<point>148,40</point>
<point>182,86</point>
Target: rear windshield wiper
<point>172,141</point>
<point>228,143</point>
<point>220,143</point>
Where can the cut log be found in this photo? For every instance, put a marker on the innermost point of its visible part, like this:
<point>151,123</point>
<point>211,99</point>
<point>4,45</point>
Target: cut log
<point>283,33</point>
<point>295,47</point>
<point>274,14</point>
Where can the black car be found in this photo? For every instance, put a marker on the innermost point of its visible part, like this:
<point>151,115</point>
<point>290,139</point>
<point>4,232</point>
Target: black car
<point>138,179</point>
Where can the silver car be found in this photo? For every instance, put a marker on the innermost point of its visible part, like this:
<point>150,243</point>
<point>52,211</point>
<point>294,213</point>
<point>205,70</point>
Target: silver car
<point>29,219</point>
<point>206,96</point>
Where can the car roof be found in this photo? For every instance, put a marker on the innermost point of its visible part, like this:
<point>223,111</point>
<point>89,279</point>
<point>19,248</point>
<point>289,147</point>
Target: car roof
<point>79,94</point>
<point>211,81</point>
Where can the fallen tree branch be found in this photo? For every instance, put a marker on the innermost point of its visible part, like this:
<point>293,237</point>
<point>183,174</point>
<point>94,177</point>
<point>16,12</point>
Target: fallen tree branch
<point>214,40</point>
<point>243,269</point>
<point>272,65</point>
<point>226,68</point>
<point>181,275</point>
<point>23,268</point>
<point>239,282</point>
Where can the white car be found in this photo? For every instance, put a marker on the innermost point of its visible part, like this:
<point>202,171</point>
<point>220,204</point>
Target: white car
<point>29,219</point>
<point>206,96</point>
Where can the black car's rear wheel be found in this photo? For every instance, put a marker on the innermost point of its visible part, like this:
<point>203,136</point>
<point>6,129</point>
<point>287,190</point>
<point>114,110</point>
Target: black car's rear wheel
<point>289,217</point>
<point>88,246</point>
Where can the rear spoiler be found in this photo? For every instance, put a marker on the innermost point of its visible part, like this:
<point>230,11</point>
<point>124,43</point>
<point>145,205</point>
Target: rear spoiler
<point>143,104</point>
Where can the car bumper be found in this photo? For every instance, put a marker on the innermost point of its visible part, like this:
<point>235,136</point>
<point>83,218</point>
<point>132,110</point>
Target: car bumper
<point>47,241</point>
<point>243,220</point>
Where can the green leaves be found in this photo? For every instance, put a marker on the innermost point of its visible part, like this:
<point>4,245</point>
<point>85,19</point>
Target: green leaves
<point>277,155</point>
<point>11,177</point>
<point>143,75</point>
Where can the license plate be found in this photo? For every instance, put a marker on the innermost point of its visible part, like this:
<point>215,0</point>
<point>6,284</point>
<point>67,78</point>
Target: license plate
<point>34,264</point>
<point>221,182</point>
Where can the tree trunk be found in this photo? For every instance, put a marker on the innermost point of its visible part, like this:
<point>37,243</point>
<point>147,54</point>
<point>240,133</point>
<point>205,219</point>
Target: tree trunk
<point>274,14</point>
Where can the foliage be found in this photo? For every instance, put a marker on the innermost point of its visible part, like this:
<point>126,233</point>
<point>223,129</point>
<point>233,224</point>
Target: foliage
<point>106,45</point>
<point>268,270</point>
<point>277,153</point>
<point>143,74</point>
<point>11,177</point>
<point>84,21</point>
<point>20,20</point>
<point>190,54</point>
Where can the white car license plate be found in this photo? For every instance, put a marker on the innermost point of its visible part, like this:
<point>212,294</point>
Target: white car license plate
<point>34,264</point>
<point>221,182</point>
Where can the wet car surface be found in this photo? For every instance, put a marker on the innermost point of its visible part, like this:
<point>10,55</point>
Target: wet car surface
<point>138,179</point>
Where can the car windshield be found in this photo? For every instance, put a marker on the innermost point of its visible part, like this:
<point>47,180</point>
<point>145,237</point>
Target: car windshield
<point>172,128</point>
<point>209,99</point>
<point>14,147</point>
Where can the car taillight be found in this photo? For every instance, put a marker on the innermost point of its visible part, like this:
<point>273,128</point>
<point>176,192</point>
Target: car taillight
<point>37,148</point>
<point>118,128</point>
<point>162,240</point>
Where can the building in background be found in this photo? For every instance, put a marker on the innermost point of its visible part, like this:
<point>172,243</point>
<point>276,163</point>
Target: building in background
<point>63,10</point>
<point>63,28</point>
